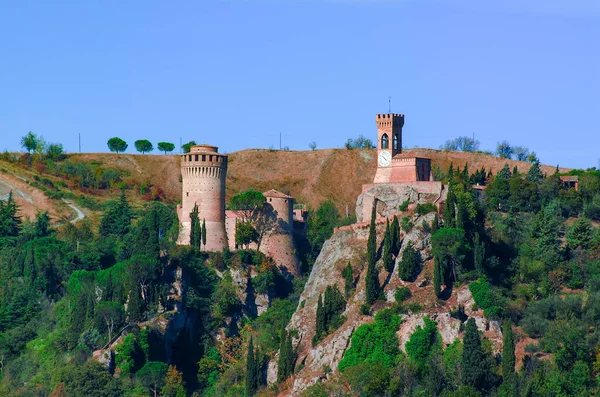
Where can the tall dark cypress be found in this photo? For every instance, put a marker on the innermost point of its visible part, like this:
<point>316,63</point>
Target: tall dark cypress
<point>478,253</point>
<point>251,371</point>
<point>204,233</point>
<point>135,306</point>
<point>450,208</point>
<point>372,280</point>
<point>195,232</point>
<point>388,261</point>
<point>285,364</point>
<point>438,276</point>
<point>508,360</point>
<point>474,364</point>
<point>395,235</point>
<point>435,225</point>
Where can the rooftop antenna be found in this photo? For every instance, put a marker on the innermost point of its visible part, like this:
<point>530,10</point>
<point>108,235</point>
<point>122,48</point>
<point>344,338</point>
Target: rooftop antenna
<point>389,105</point>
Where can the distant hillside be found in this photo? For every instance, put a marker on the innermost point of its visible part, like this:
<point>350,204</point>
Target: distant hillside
<point>310,176</point>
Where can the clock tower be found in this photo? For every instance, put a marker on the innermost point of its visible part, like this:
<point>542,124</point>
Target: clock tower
<point>389,142</point>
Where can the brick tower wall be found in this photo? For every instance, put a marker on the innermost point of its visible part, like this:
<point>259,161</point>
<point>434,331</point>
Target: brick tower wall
<point>279,243</point>
<point>203,172</point>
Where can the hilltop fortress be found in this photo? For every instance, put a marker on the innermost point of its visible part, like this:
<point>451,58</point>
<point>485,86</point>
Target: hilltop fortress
<point>204,172</point>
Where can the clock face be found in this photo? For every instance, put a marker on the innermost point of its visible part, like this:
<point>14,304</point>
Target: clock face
<point>385,158</point>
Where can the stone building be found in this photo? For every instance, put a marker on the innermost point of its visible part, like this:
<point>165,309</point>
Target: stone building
<point>203,172</point>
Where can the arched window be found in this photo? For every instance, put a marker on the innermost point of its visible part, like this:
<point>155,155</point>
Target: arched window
<point>395,142</point>
<point>385,142</point>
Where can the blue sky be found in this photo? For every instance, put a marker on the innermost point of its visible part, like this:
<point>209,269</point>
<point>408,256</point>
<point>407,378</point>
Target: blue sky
<point>238,73</point>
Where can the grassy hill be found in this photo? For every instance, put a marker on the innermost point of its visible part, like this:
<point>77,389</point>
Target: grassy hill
<point>310,176</point>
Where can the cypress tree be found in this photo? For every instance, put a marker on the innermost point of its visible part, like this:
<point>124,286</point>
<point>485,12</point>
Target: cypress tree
<point>135,308</point>
<point>409,265</point>
<point>204,233</point>
<point>320,320</point>
<point>465,173</point>
<point>348,275</point>
<point>504,172</point>
<point>438,275</point>
<point>535,173</point>
<point>286,360</point>
<point>435,225</point>
<point>395,235</point>
<point>195,232</point>
<point>508,360</point>
<point>108,292</point>
<point>474,363</point>
<point>10,222</point>
<point>372,280</point>
<point>251,371</point>
<point>450,173</point>
<point>450,209</point>
<point>478,253</point>
<point>515,171</point>
<point>388,261</point>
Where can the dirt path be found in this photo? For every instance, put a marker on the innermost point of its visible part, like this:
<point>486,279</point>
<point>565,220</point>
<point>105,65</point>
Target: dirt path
<point>78,211</point>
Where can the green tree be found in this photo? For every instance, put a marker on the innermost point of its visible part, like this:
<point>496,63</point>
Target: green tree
<point>111,313</point>
<point>135,306</point>
<point>10,222</point>
<point>30,142</point>
<point>247,204</point>
<point>504,172</point>
<point>195,228</point>
<point>450,208</point>
<point>504,150</point>
<point>424,342</point>
<point>165,147</point>
<point>245,234</point>
<point>174,385</point>
<point>152,376</point>
<point>89,379</point>
<point>117,145</point>
<point>117,218</point>
<point>535,173</point>
<point>475,366</point>
<point>55,152</point>
<point>287,357</point>
<point>395,235</point>
<point>409,265</point>
<point>348,275</point>
<point>580,234</point>
<point>320,325</point>
<point>508,360</point>
<point>448,246</point>
<point>143,146</point>
<point>188,146</point>
<point>204,233</point>
<point>478,253</point>
<point>372,278</point>
<point>388,260</point>
<point>251,370</point>
<point>321,225</point>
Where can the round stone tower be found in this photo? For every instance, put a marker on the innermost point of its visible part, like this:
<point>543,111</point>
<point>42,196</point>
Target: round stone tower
<point>203,172</point>
<point>279,243</point>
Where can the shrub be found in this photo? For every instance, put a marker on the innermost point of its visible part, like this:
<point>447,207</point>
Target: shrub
<point>423,342</point>
<point>402,294</point>
<point>404,206</point>
<point>423,209</point>
<point>406,224</point>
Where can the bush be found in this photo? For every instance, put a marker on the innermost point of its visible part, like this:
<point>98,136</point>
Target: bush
<point>404,206</point>
<point>423,209</point>
<point>402,294</point>
<point>406,224</point>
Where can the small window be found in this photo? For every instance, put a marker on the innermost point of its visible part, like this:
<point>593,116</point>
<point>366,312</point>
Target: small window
<point>203,157</point>
<point>196,157</point>
<point>395,142</point>
<point>270,200</point>
<point>187,194</point>
<point>189,157</point>
<point>210,158</point>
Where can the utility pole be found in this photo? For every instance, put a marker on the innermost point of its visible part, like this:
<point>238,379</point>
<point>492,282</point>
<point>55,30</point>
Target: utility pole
<point>80,142</point>
<point>279,140</point>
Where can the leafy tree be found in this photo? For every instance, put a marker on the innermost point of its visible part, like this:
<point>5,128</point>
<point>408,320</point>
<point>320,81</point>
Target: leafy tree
<point>89,379</point>
<point>535,173</point>
<point>312,145</point>
<point>388,260</point>
<point>247,204</point>
<point>372,278</point>
<point>334,305</point>
<point>251,370</point>
<point>117,218</point>
<point>423,343</point>
<point>111,313</point>
<point>504,172</point>
<point>521,153</point>
<point>135,306</point>
<point>152,376</point>
<point>409,266</point>
<point>30,142</point>
<point>245,234</point>
<point>117,145</point>
<point>508,360</point>
<point>320,226</point>
<point>475,366</point>
<point>504,150</point>
<point>188,146</point>
<point>448,246</point>
<point>143,146</point>
<point>174,385</point>
<point>55,152</point>
<point>359,143</point>
<point>166,147</point>
<point>461,144</point>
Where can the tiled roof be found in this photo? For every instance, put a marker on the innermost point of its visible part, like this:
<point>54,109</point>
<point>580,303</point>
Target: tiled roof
<point>569,178</point>
<point>276,194</point>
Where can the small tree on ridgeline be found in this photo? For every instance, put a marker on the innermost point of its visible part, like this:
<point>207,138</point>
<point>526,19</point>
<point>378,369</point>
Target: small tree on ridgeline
<point>143,146</point>
<point>117,145</point>
<point>30,142</point>
<point>165,147</point>
<point>188,146</point>
<point>372,280</point>
<point>388,260</point>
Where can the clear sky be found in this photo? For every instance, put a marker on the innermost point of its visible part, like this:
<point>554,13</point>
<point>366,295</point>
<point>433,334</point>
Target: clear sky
<point>238,73</point>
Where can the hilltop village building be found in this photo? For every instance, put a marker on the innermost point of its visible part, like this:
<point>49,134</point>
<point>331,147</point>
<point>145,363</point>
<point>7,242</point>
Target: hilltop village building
<point>397,170</point>
<point>204,173</point>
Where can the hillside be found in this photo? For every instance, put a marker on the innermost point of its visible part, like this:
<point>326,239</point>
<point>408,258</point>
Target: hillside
<point>310,176</point>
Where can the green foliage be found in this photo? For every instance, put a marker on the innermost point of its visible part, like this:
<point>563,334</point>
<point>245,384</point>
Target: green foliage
<point>406,224</point>
<point>287,357</point>
<point>152,375</point>
<point>461,144</point>
<point>329,313</point>
<point>372,278</point>
<point>348,276</point>
<point>252,370</point>
<point>535,173</point>
<point>195,228</point>
<point>450,209</point>
<point>410,264</point>
<point>143,146</point>
<point>424,209</point>
<point>580,234</point>
<point>484,296</point>
<point>89,379</point>
<point>475,369</point>
<point>424,342</point>
<point>404,206</point>
<point>245,234</point>
<point>320,226</point>
<point>374,342</point>
<point>188,146</point>
<point>395,235</point>
<point>30,142</point>
<point>359,143</point>
<point>504,150</point>
<point>117,218</point>
<point>508,360</point>
<point>401,294</point>
<point>368,378</point>
<point>166,147</point>
<point>448,246</point>
<point>10,222</point>
<point>388,260</point>
<point>117,145</point>
<point>478,254</point>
